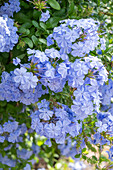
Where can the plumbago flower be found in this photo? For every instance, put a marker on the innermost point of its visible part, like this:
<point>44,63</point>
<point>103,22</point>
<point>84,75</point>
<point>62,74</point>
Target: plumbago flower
<point>10,8</point>
<point>77,37</point>
<point>45,16</point>
<point>58,122</point>
<point>50,72</point>
<point>8,35</point>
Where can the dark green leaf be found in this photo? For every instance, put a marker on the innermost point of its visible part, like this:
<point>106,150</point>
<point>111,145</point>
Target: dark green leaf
<point>27,25</point>
<point>21,56</point>
<point>36,14</point>
<point>71,8</point>
<point>43,41</point>
<point>43,25</point>
<point>35,40</point>
<point>22,30</point>
<point>28,42</point>
<point>22,18</point>
<point>35,23</point>
<point>53,21</point>
<point>54,4</point>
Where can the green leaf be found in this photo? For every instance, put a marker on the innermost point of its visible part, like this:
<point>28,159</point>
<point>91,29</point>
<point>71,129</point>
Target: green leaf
<point>24,4</point>
<point>43,25</point>
<point>77,156</point>
<point>27,25</point>
<point>43,41</point>
<point>27,32</point>
<point>21,18</point>
<point>94,157</point>
<point>37,33</point>
<point>34,39</point>
<point>21,56</point>
<point>22,30</point>
<point>36,14</point>
<point>28,42</point>
<point>35,24</point>
<point>54,4</point>
<point>52,22</point>
<point>83,150</point>
<point>84,157</point>
<point>60,13</point>
<point>71,8</point>
<point>3,103</point>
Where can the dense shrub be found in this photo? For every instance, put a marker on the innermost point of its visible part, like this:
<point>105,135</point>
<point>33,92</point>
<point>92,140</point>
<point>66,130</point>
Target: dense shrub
<point>56,89</point>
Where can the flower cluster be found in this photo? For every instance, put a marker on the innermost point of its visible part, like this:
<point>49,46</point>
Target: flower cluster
<point>54,123</point>
<point>10,8</point>
<point>105,123</point>
<point>12,132</point>
<point>107,93</point>
<point>52,71</point>
<point>11,90</point>
<point>8,35</point>
<point>70,148</point>
<point>22,154</point>
<point>77,37</point>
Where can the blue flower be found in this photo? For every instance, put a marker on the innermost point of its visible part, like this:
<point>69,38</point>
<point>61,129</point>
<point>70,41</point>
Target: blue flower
<point>13,137</point>
<point>9,9</point>
<point>27,167</point>
<point>62,69</point>
<point>8,36</point>
<point>52,53</point>
<point>45,16</point>
<point>44,104</point>
<point>10,126</point>
<point>2,138</point>
<point>102,127</point>
<point>45,114</point>
<point>21,75</point>
<point>110,153</point>
<point>50,130</point>
<point>16,61</point>
<point>30,81</point>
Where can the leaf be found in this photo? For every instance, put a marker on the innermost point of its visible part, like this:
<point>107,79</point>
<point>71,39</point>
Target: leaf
<point>21,18</point>
<point>71,8</point>
<point>22,30</point>
<point>27,25</point>
<point>60,13</point>
<point>35,24</point>
<point>43,41</point>
<point>28,42</point>
<point>24,4</point>
<point>77,156</point>
<point>94,157</point>
<point>27,32</point>
<point>43,25</point>
<point>35,40</point>
<point>54,4</point>
<point>52,22</point>
<point>21,56</point>
<point>36,14</point>
<point>37,33</point>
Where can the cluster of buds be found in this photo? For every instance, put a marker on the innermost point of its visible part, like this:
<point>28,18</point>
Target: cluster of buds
<point>39,4</point>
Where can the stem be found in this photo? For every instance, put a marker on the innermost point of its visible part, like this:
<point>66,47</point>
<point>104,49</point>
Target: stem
<point>99,149</point>
<point>10,57</point>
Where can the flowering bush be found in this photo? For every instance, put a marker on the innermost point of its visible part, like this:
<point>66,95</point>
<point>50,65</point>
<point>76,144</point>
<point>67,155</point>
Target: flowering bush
<point>56,83</point>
